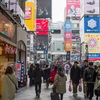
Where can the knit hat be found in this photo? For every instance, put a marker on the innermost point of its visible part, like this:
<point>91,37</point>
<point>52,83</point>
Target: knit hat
<point>60,69</point>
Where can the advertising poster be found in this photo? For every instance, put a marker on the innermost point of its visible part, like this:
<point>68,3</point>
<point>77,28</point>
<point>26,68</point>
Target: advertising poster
<point>28,12</point>
<point>68,36</point>
<point>41,42</point>
<point>7,28</point>
<point>42,25</point>
<point>44,8</point>
<point>91,7</point>
<point>92,25</point>
<point>68,26</point>
<point>93,41</point>
<point>73,8</point>
<point>68,45</point>
<point>18,72</point>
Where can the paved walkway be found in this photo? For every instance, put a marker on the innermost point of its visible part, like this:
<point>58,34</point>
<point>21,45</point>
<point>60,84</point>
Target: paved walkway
<point>29,94</point>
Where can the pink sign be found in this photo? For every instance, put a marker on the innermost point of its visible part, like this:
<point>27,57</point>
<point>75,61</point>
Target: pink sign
<point>28,12</point>
<point>73,8</point>
<point>68,36</point>
<point>42,27</point>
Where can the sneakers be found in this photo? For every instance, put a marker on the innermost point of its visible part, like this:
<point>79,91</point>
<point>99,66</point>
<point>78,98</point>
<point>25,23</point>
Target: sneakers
<point>74,94</point>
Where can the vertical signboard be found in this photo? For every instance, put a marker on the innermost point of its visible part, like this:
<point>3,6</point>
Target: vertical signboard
<point>28,12</point>
<point>42,26</point>
<point>91,7</point>
<point>44,8</point>
<point>30,15</point>
<point>68,36</point>
<point>73,8</point>
<point>31,42</point>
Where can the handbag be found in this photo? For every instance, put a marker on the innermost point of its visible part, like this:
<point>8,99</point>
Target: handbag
<point>70,87</point>
<point>13,83</point>
<point>99,82</point>
<point>80,86</point>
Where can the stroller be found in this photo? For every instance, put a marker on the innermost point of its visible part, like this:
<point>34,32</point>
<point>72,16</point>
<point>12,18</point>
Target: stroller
<point>97,92</point>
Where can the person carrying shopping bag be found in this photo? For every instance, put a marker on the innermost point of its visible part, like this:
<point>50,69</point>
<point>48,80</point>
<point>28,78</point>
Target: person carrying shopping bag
<point>60,82</point>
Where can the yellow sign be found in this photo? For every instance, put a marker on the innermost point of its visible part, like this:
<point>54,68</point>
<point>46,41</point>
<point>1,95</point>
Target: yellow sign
<point>30,16</point>
<point>93,41</point>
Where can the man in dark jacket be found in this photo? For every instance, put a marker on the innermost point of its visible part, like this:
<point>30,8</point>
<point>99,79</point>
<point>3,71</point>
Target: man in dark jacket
<point>37,74</point>
<point>89,78</point>
<point>82,73</point>
<point>75,77</point>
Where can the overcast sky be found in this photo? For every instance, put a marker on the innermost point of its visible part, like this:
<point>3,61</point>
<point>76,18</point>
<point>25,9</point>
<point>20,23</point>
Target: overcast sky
<point>58,10</point>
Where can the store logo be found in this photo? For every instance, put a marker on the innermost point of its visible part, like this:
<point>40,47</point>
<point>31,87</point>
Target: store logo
<point>92,23</point>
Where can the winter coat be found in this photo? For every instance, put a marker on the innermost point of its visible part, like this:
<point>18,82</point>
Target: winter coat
<point>30,72</point>
<point>52,75</point>
<point>75,75</point>
<point>60,83</point>
<point>89,75</point>
<point>82,71</point>
<point>46,73</point>
<point>37,74</point>
<point>8,87</point>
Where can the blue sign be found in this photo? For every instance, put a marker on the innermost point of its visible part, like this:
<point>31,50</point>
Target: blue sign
<point>45,51</point>
<point>68,26</point>
<point>75,57</point>
<point>94,55</point>
<point>92,25</point>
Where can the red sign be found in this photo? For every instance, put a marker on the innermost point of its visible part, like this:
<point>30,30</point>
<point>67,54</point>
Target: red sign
<point>28,12</point>
<point>42,26</point>
<point>94,59</point>
<point>73,8</point>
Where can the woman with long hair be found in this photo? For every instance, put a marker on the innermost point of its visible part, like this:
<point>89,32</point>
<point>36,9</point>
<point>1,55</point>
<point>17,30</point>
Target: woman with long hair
<point>9,81</point>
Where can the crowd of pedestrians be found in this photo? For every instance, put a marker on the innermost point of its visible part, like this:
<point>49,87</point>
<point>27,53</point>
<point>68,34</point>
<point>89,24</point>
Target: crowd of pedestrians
<point>56,74</point>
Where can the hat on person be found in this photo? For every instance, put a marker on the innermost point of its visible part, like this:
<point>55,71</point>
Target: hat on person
<point>60,69</point>
<point>76,62</point>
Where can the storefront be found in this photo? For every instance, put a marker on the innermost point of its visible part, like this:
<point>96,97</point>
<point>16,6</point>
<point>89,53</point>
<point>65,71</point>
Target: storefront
<point>8,43</point>
<point>21,56</point>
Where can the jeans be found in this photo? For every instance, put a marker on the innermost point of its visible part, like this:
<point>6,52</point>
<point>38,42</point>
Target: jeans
<point>37,87</point>
<point>61,96</point>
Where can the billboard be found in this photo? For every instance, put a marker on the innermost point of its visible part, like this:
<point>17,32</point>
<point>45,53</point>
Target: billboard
<point>42,26</point>
<point>91,7</point>
<point>73,8</point>
<point>41,42</point>
<point>68,45</point>
<point>7,28</point>
<point>68,26</point>
<point>92,25</point>
<point>68,36</point>
<point>93,41</point>
<point>44,8</point>
<point>28,12</point>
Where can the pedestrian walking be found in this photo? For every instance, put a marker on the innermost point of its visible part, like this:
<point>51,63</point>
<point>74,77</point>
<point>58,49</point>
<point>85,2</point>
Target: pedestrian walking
<point>89,78</point>
<point>67,68</point>
<point>97,83</point>
<point>37,74</point>
<point>75,77</point>
<point>9,84</point>
<point>60,82</point>
<point>31,80</point>
<point>52,74</point>
<point>82,73</point>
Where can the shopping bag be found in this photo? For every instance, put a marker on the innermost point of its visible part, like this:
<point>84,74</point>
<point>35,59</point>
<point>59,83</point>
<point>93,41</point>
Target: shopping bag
<point>80,86</point>
<point>70,86</point>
